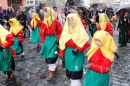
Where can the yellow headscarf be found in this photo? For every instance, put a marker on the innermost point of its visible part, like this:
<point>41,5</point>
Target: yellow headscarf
<point>3,34</point>
<point>51,16</point>
<point>33,21</point>
<point>103,20</point>
<point>108,45</point>
<point>113,19</point>
<point>16,26</point>
<point>77,33</point>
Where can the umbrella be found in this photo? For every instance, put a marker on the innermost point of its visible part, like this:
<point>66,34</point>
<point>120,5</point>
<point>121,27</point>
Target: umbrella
<point>102,1</point>
<point>29,5</point>
<point>121,9</point>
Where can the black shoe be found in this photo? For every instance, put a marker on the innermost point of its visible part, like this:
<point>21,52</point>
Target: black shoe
<point>117,55</point>
<point>121,45</point>
<point>22,58</point>
<point>8,80</point>
<point>125,45</point>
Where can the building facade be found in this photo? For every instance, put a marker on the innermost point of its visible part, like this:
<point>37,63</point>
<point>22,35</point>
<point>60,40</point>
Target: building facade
<point>17,3</point>
<point>59,3</point>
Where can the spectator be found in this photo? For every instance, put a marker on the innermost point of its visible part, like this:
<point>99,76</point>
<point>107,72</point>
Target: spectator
<point>22,19</point>
<point>1,14</point>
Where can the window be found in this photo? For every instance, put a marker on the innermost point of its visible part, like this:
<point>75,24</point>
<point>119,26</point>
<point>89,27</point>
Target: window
<point>27,2</point>
<point>31,2</point>
<point>36,3</point>
<point>40,1</point>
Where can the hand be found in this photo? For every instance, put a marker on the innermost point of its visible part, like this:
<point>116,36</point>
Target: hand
<point>1,48</point>
<point>20,43</point>
<point>57,42</point>
<point>88,65</point>
<point>75,51</point>
<point>61,57</point>
<point>117,29</point>
<point>32,28</point>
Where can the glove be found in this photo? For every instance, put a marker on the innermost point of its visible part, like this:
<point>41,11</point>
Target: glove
<point>1,48</point>
<point>20,43</point>
<point>57,42</point>
<point>88,65</point>
<point>32,28</point>
<point>75,51</point>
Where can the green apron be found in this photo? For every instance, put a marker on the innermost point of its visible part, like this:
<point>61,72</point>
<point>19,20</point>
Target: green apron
<point>96,79</point>
<point>35,37</point>
<point>15,46</point>
<point>114,24</point>
<point>73,63</point>
<point>49,47</point>
<point>5,59</point>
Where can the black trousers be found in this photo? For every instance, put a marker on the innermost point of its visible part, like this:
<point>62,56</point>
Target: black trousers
<point>21,50</point>
<point>51,60</point>
<point>74,75</point>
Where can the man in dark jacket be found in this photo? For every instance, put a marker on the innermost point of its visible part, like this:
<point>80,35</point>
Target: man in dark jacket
<point>22,19</point>
<point>94,19</point>
<point>38,10</point>
<point>1,14</point>
<point>108,11</point>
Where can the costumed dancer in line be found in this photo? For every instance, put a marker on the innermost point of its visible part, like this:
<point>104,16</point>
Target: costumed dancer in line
<point>113,21</point>
<point>35,37</point>
<point>100,59</point>
<point>7,64</point>
<point>105,24</point>
<point>73,41</point>
<point>50,32</point>
<point>17,33</point>
<point>74,11</point>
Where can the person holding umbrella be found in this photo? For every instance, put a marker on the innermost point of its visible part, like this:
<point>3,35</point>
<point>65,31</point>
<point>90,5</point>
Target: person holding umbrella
<point>123,27</point>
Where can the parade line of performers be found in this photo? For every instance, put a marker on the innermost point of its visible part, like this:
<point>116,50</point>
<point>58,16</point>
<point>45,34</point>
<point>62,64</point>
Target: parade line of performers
<point>68,43</point>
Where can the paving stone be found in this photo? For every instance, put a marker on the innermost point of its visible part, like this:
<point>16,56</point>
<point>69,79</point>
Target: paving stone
<point>116,82</point>
<point>125,84</point>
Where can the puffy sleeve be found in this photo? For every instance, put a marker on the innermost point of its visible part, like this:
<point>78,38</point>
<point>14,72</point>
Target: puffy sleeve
<point>39,21</point>
<point>10,41</point>
<point>61,52</point>
<point>109,27</point>
<point>102,68</point>
<point>86,45</point>
<point>20,36</point>
<point>58,29</point>
<point>83,22</point>
<point>42,32</point>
